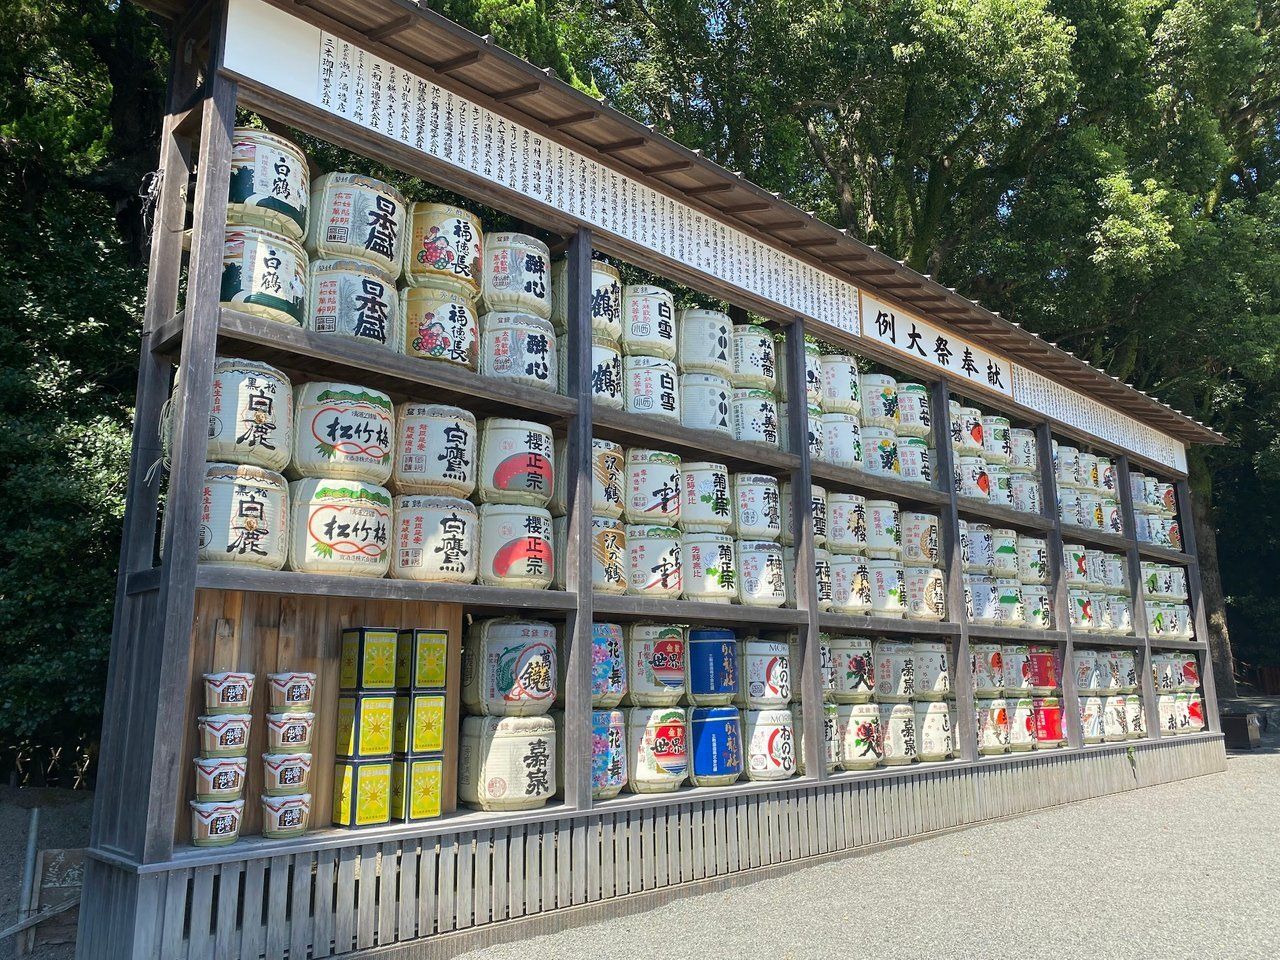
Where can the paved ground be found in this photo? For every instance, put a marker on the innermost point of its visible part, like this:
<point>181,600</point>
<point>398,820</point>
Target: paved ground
<point>1189,869</point>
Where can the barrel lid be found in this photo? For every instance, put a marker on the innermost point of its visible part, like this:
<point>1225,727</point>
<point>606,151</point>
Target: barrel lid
<point>415,501</point>
<point>224,364</point>
<point>357,180</point>
<point>712,633</point>
<point>350,265</point>
<point>270,236</point>
<point>710,714</point>
<point>514,318</point>
<point>511,239</point>
<point>703,313</point>
<point>509,726</point>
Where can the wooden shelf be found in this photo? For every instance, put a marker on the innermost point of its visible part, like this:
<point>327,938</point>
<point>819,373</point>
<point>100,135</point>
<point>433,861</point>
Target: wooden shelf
<point>1016,634</point>
<point>1095,538</point>
<point>607,606</point>
<point>864,624</point>
<point>632,430</point>
<point>1104,640</point>
<point>1163,643</point>
<point>877,485</point>
<point>1152,552</point>
<point>325,357</point>
<point>1000,515</point>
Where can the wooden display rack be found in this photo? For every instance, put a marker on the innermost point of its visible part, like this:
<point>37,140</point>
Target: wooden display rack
<point>419,889</point>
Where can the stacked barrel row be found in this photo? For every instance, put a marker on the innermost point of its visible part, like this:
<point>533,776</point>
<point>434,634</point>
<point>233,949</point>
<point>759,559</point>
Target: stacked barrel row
<point>1165,595</point>
<point>1155,508</point>
<point>1099,597</point>
<point>1018,696</point>
<point>1087,492</point>
<point>1110,693</point>
<point>994,461</point>
<point>1179,703</point>
<point>1006,577</point>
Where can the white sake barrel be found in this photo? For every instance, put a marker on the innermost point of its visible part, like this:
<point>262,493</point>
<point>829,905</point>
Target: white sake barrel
<point>880,451</point>
<point>915,460</point>
<point>972,435</point>
<point>850,584</point>
<point>764,673</point>
<point>608,470</point>
<point>1066,463</point>
<point>339,526</point>
<point>934,732</point>
<point>997,441</point>
<point>1023,453</point>
<point>1101,610</point>
<point>435,450</point>
<point>888,588</point>
<point>841,385</point>
<point>831,737</point>
<point>754,416</point>
<point>705,342</point>
<point>250,415</point>
<point>1075,564</point>
<point>1137,724</point>
<point>1152,579</point>
<point>879,400</point>
<point>515,546</point>
<point>861,737</point>
<point>1032,559</point>
<point>842,439</point>
<point>817,514</point>
<point>981,598</point>
<point>895,671</point>
<point>357,216</point>
<point>999,485</point>
<point>933,669</point>
<point>769,739</point>
<point>1022,724</point>
<point>516,462</point>
<point>244,515</point>
<point>920,538</point>
<point>1167,499</point>
<point>993,726</point>
<point>972,479</point>
<point>1137,486</point>
<point>884,533</point>
<point>609,557</point>
<point>606,297</point>
<point>1085,667</point>
<point>812,374</point>
<point>1182,621</point>
<point>1017,669</point>
<point>757,508</point>
<point>1107,475</point>
<point>1080,610</point>
<point>650,387</point>
<point>926,593</point>
<point>653,566</point>
<point>520,348</point>
<point>753,358</point>
<point>980,556</point>
<point>438,324</point>
<point>509,667</point>
<point>1024,489</point>
<point>655,664</point>
<point>708,567</point>
<point>826,664</point>
<point>822,578</point>
<point>1069,507</point>
<point>899,734</point>
<point>1195,713</point>
<point>813,433</point>
<point>1095,569</point>
<point>443,248</point>
<point>516,274</point>
<point>1004,552</point>
<point>436,539</point>
<point>1109,679</point>
<point>342,431</point>
<point>705,403</point>
<point>987,667</point>
<point>1121,615</point>
<point>847,523</point>
<point>270,183</point>
<point>761,582</point>
<point>354,299</point>
<point>1159,618</point>
<point>657,749</point>
<point>648,322</point>
<point>854,668</point>
<point>1037,609</point>
<point>652,487</point>
<point>606,372</point>
<point>1167,711</point>
<point>1091,511</point>
<point>1010,610</point>
<point>507,763</point>
<point>265,274</point>
<point>1127,668</point>
<point>1091,719</point>
<point>1088,471</point>
<point>913,411</point>
<point>706,505</point>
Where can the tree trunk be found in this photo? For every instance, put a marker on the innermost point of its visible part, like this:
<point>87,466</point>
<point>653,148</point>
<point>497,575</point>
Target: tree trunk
<point>1215,607</point>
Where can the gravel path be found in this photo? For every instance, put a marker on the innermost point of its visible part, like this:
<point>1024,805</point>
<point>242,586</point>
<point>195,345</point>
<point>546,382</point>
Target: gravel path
<point>1141,879</point>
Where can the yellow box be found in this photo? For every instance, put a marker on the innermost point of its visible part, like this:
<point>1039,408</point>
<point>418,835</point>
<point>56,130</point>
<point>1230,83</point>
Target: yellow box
<point>416,787</point>
<point>361,792</point>
<point>366,725</point>
<point>419,723</point>
<point>368,659</point>
<point>422,659</point>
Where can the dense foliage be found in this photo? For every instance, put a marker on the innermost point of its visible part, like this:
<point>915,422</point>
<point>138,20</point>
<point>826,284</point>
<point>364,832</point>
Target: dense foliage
<point>1102,171</point>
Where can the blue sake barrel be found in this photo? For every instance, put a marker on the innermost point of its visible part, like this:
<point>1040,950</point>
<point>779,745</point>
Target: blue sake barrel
<point>716,738</point>
<point>711,667</point>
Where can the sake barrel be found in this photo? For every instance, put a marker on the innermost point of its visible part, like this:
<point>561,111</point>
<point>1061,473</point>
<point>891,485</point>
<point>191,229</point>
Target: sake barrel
<point>884,533</point>
<point>705,402</point>
<point>880,451</point>
<point>913,411</point>
<point>934,732</point>
<point>1004,552</point>
<point>850,584</point>
<point>715,735</point>
<point>752,357</point>
<point>250,415</point>
<point>1023,454</point>
<point>520,348</point>
<point>754,416</point>
<point>1137,725</point>
<point>438,324</point>
<point>898,730</point>
<point>437,539</point>
<point>609,557</point>
<point>515,546</point>
<point>997,442</point>
<point>1067,466</point>
<point>708,567</point>
<point>982,546</point>
<point>831,738</point>
<point>1094,568</point>
<point>1022,723</point>
<point>999,485</point>
<point>509,667</point>
<point>1080,610</point>
<point>926,593</point>
<point>516,462</point>
<point>711,667</point>
<point>705,502</point>
<point>1024,490</point>
<point>339,526</point>
<point>1195,712</point>
<point>216,823</point>
<point>648,322</point>
<point>1047,715</point>
<point>757,510</point>
<point>769,738</point>
<point>705,343</point>
<point>606,297</point>
<point>1091,511</point>
<point>224,734</point>
<point>855,674</point>
<point>932,660</point>
<point>607,473</point>
<point>515,275</point>
<point>1166,499</point>
<point>1159,619</point>
<point>657,749</point>
<point>761,582</point>
<point>915,460</point>
<point>654,562</point>
<point>1085,668</point>
<point>813,434</point>
<point>435,450</point>
<point>812,374</point>
<point>243,516</point>
<point>1167,712</point>
<point>608,666</point>
<point>842,439</point>
<point>608,752</point>
<point>1121,613</point>
<point>955,427</point>
<point>1075,564</point>
<point>655,659</point>
<point>993,726</point>
<point>1091,719</point>
<point>356,216</point>
<point>606,372</point>
<point>841,386</point>
<point>265,274</point>
<point>443,248</point>
<point>270,183</point>
<point>219,778</point>
<point>1010,608</point>
<point>1069,507</point>
<point>650,387</point>
<point>1017,669</point>
<point>354,299</point>
<point>981,599</point>
<point>507,763</point>
<point>1088,471</point>
<point>972,480</point>
<point>228,691</point>
<point>1182,621</point>
<point>764,673</point>
<point>341,431</point>
<point>652,487</point>
<point>847,523</point>
<point>1109,680</point>
<point>826,663</point>
<point>1115,718</point>
<point>895,671</point>
<point>879,400</point>
<point>817,514</point>
<point>1106,475</point>
<point>888,588</point>
<point>862,738</point>
<point>1114,573</point>
<point>1189,681</point>
<point>1043,661</point>
<point>1126,666</point>
<point>1166,671</point>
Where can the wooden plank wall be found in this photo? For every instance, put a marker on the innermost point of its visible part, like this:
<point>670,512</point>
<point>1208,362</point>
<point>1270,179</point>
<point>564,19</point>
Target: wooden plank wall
<point>265,633</point>
<point>323,903</point>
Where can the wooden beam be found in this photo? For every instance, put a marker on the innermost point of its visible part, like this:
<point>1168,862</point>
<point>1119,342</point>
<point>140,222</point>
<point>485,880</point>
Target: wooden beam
<point>573,118</point>
<point>618,145</point>
<point>391,27</point>
<point>708,188</point>
<point>815,242</point>
<point>673,167</point>
<point>525,90</point>
<point>745,207</point>
<point>458,62</point>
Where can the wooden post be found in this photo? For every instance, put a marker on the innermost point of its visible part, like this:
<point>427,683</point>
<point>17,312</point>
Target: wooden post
<point>1141,629</point>
<point>1195,596</point>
